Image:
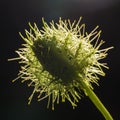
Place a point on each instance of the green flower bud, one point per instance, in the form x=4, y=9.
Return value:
x=58, y=59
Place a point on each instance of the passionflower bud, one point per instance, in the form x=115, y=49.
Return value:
x=61, y=60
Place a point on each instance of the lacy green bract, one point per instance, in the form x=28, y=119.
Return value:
x=57, y=58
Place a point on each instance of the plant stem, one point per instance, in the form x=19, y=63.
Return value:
x=89, y=92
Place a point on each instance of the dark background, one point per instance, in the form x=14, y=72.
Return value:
x=14, y=17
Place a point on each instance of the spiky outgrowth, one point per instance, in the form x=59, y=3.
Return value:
x=58, y=58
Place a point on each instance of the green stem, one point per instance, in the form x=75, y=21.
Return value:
x=96, y=102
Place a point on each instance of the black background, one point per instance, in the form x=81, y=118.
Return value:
x=14, y=17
